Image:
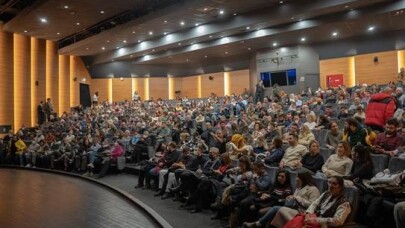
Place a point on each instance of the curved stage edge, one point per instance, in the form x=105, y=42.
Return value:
x=126, y=210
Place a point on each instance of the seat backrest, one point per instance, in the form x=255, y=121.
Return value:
x=316, y=134
x=151, y=151
x=322, y=136
x=380, y=162
x=325, y=152
x=396, y=164
x=352, y=195
x=293, y=176
x=121, y=163
x=321, y=183
x=272, y=172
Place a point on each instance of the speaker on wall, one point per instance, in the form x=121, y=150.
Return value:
x=37, y=83
x=376, y=59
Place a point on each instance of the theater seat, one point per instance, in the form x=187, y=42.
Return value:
x=352, y=195
x=325, y=152
x=321, y=183
x=396, y=164
x=380, y=162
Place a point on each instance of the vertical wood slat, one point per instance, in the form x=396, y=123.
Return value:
x=38, y=75
x=381, y=72
x=121, y=89
x=52, y=82
x=158, y=88
x=22, y=81
x=6, y=78
x=64, y=84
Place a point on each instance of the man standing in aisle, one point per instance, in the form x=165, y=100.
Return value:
x=48, y=109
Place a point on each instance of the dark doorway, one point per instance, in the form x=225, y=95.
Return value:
x=85, y=99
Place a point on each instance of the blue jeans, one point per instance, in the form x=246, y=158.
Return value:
x=269, y=216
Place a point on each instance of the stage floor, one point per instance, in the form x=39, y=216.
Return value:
x=39, y=199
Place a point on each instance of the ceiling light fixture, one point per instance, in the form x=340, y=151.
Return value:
x=211, y=36
x=303, y=39
x=221, y=12
x=102, y=11
x=139, y=41
x=58, y=33
x=133, y=32
x=275, y=44
x=205, y=9
x=150, y=33
x=226, y=53
x=247, y=28
x=66, y=7
x=234, y=14
x=249, y=49
x=165, y=33
x=205, y=56
x=103, y=48
x=43, y=20
x=179, y=44
x=164, y=21
x=124, y=41
x=281, y=2
x=196, y=24
x=87, y=48
x=182, y=23
x=371, y=28
x=334, y=34
x=78, y=23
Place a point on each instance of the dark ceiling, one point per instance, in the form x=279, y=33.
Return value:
x=150, y=33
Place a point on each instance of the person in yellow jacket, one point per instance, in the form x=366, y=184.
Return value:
x=21, y=148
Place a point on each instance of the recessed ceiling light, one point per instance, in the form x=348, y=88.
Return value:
x=281, y=2
x=275, y=44
x=133, y=32
x=58, y=33
x=179, y=44
x=346, y=6
x=221, y=12
x=196, y=24
x=371, y=28
x=153, y=50
x=292, y=18
x=139, y=41
x=164, y=21
x=43, y=20
x=334, y=34
x=108, y=41
x=131, y=56
x=226, y=53
x=205, y=9
x=249, y=49
x=66, y=7
x=87, y=48
x=211, y=36
x=102, y=11
x=117, y=48
x=182, y=23
x=78, y=23
x=205, y=56
x=303, y=39
x=25, y=31
x=103, y=48
x=165, y=33
x=247, y=28
x=187, y=60
x=151, y=33
x=112, y=60
x=124, y=41
x=300, y=19
x=234, y=14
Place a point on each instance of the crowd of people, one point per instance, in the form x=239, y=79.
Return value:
x=217, y=152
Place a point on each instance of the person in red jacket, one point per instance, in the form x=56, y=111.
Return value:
x=380, y=109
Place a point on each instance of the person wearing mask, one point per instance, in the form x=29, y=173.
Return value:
x=389, y=141
x=293, y=154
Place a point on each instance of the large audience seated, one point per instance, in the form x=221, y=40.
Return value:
x=256, y=160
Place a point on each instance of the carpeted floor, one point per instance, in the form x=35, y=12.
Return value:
x=169, y=210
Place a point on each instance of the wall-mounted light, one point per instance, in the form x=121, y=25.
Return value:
x=84, y=79
x=36, y=82
x=121, y=78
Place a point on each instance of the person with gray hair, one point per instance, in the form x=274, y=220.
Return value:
x=399, y=93
x=399, y=214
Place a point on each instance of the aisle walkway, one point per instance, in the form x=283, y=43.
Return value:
x=169, y=210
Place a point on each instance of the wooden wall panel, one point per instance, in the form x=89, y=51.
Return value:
x=140, y=85
x=216, y=85
x=121, y=89
x=158, y=88
x=401, y=59
x=238, y=81
x=382, y=72
x=190, y=87
x=64, y=84
x=38, y=76
x=78, y=74
x=102, y=86
x=6, y=78
x=52, y=82
x=336, y=66
x=22, y=81
x=177, y=86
